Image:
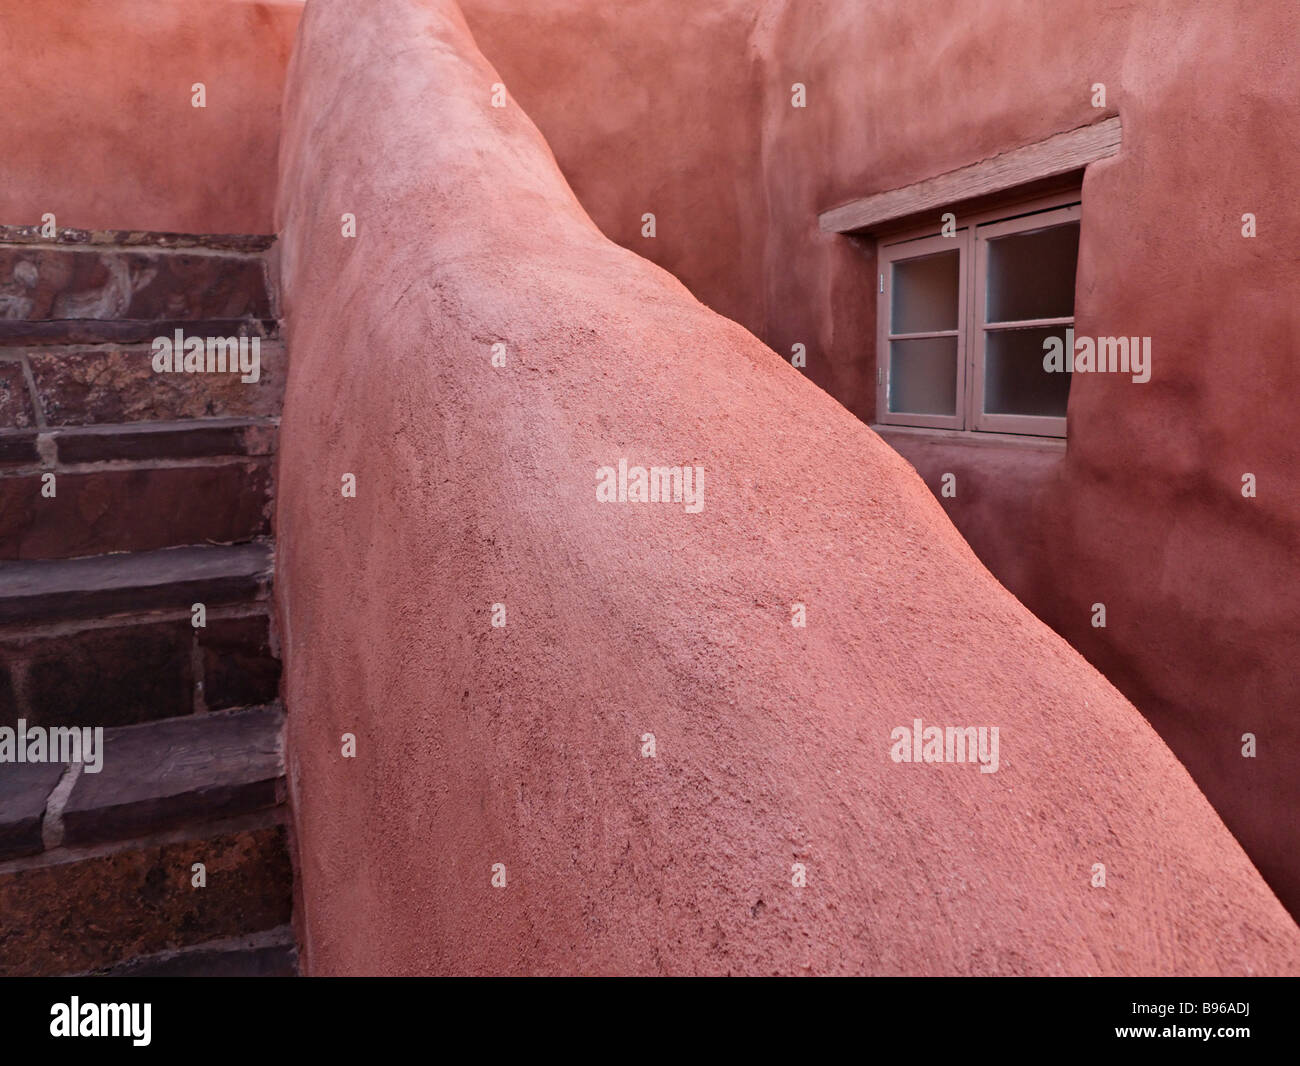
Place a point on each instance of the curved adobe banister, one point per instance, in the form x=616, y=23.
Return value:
x=523, y=745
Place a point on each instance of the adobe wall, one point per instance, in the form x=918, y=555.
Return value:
x=1144, y=511
x=97, y=122
x=523, y=745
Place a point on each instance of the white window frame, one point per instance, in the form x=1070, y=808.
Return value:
x=916, y=248
x=970, y=239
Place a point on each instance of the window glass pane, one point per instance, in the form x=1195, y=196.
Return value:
x=1015, y=382
x=925, y=293
x=923, y=376
x=1031, y=274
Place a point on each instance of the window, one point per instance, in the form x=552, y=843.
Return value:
x=963, y=320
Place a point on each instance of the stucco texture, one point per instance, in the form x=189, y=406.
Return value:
x=684, y=109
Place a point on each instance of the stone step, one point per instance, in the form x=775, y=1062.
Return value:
x=70, y=911
x=110, y=879
x=269, y=954
x=138, y=508
x=201, y=438
x=41, y=591
x=110, y=640
x=69, y=282
x=165, y=775
x=141, y=780
x=134, y=487
x=137, y=668
x=83, y=385
x=42, y=332
x=131, y=238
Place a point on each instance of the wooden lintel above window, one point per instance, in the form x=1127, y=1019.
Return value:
x=1062, y=153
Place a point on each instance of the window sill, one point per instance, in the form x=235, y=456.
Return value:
x=970, y=437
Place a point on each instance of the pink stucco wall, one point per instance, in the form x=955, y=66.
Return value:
x=684, y=109
x=97, y=123
x=522, y=745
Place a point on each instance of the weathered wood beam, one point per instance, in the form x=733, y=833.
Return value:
x=1057, y=155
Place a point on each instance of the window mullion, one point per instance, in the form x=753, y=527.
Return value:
x=971, y=352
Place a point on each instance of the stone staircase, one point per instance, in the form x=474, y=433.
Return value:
x=127, y=497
